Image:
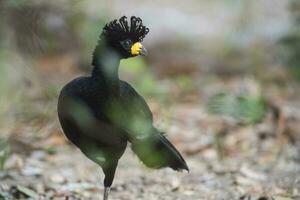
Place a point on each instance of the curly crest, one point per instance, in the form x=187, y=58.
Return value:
x=118, y=30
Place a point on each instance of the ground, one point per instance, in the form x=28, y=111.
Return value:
x=250, y=163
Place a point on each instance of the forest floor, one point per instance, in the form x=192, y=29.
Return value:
x=230, y=162
x=229, y=159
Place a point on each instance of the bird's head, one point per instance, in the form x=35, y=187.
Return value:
x=125, y=37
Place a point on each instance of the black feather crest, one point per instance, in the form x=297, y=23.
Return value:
x=118, y=30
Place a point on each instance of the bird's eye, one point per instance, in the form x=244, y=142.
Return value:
x=126, y=44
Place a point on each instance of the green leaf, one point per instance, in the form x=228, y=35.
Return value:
x=252, y=109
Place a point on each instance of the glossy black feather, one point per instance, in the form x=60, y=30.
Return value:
x=100, y=113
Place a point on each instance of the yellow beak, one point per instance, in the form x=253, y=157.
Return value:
x=138, y=49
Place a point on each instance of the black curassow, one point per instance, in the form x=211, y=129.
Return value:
x=101, y=113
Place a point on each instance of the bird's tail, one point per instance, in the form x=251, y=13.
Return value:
x=158, y=152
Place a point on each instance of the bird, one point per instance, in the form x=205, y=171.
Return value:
x=101, y=114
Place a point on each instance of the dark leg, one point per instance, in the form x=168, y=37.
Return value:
x=109, y=172
x=106, y=192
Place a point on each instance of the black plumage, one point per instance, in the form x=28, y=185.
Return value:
x=100, y=113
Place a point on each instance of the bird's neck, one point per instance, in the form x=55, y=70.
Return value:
x=106, y=66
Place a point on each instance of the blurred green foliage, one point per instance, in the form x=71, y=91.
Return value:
x=13, y=3
x=89, y=30
x=4, y=152
x=186, y=83
x=144, y=79
x=291, y=52
x=9, y=86
x=245, y=108
x=290, y=44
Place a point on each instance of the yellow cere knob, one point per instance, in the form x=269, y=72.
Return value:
x=136, y=47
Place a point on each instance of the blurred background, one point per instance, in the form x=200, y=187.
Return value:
x=222, y=79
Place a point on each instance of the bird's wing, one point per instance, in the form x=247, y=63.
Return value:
x=135, y=101
x=149, y=144
x=131, y=113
